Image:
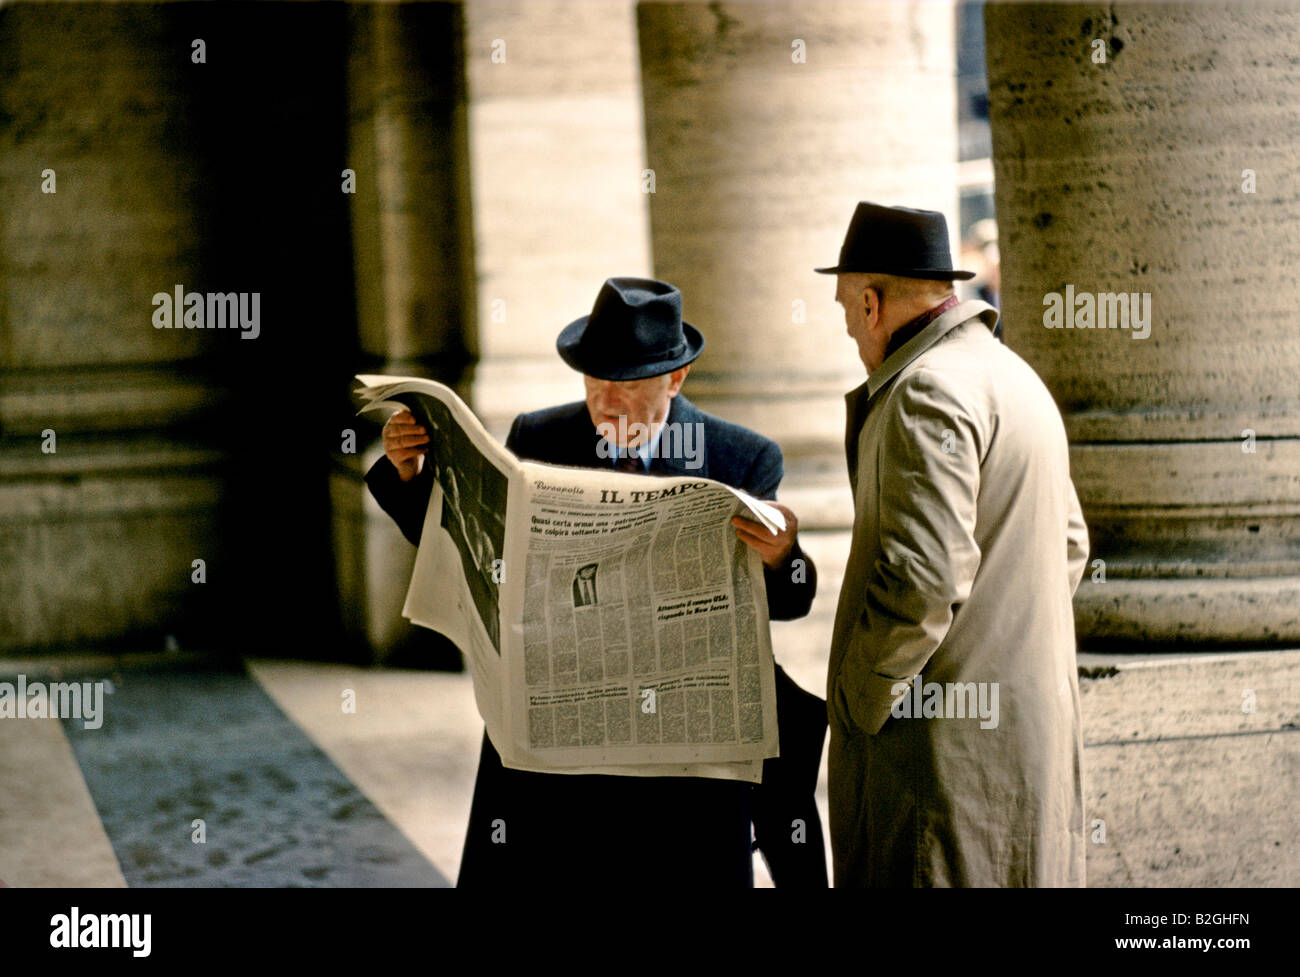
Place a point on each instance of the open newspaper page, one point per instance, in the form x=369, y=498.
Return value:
x=457, y=582
x=644, y=623
x=611, y=623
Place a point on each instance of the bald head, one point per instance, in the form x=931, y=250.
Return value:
x=902, y=294
x=876, y=306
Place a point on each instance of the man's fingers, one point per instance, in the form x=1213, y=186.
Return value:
x=402, y=424
x=404, y=440
x=763, y=539
x=763, y=544
x=399, y=455
x=753, y=528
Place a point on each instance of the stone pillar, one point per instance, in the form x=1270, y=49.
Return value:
x=1152, y=149
x=411, y=218
x=214, y=167
x=413, y=254
x=766, y=123
x=103, y=503
x=557, y=153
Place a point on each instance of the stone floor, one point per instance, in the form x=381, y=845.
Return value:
x=1184, y=786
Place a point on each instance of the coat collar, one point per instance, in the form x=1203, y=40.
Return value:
x=858, y=401
x=926, y=338
x=681, y=412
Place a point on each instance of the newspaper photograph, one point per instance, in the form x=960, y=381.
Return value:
x=612, y=623
x=472, y=514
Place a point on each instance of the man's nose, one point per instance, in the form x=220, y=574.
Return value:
x=607, y=395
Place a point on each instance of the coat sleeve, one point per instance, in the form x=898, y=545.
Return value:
x=514, y=440
x=787, y=826
x=1076, y=541
x=791, y=586
x=931, y=451
x=406, y=502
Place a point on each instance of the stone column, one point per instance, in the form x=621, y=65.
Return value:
x=144, y=147
x=413, y=253
x=411, y=219
x=557, y=153
x=1152, y=149
x=766, y=123
x=103, y=502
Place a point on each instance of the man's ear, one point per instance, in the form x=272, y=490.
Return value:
x=677, y=378
x=871, y=311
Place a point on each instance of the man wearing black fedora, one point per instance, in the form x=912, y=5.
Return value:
x=634, y=351
x=952, y=685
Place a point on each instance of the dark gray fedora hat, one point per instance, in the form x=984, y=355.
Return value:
x=897, y=241
x=635, y=330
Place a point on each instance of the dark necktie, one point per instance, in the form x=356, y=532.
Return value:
x=631, y=463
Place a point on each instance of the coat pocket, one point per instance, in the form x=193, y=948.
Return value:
x=863, y=698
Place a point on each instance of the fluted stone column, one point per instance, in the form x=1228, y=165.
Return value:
x=1131, y=175
x=766, y=123
x=557, y=153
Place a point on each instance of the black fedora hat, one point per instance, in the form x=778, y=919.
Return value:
x=897, y=241
x=635, y=330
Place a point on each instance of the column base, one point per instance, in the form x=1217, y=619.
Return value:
x=1256, y=612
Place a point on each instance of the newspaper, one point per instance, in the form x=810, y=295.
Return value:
x=612, y=623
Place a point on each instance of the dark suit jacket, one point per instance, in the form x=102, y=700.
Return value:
x=638, y=831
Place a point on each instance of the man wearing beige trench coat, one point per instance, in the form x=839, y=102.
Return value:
x=952, y=687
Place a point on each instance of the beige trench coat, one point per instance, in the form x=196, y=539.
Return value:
x=968, y=544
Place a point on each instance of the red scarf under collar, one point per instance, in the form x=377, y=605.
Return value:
x=920, y=322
